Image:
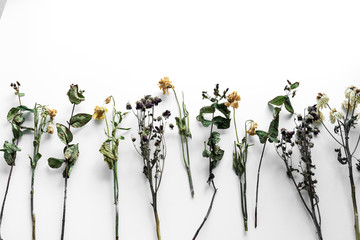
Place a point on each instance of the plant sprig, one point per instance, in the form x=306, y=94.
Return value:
x=110, y=148
x=306, y=188
x=212, y=151
x=345, y=123
x=16, y=118
x=71, y=151
x=182, y=122
x=43, y=118
x=273, y=131
x=152, y=149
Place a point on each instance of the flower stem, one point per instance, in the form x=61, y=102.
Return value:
x=64, y=205
x=32, y=203
x=66, y=181
x=116, y=200
x=257, y=183
x=208, y=211
x=4, y=200
x=184, y=140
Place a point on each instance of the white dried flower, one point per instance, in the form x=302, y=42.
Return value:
x=335, y=115
x=348, y=91
x=322, y=100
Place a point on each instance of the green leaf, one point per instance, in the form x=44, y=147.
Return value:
x=16, y=130
x=276, y=112
x=9, y=158
x=294, y=85
x=11, y=114
x=263, y=136
x=25, y=108
x=214, y=139
x=70, y=166
x=203, y=121
x=221, y=122
x=274, y=128
x=72, y=153
x=19, y=119
x=223, y=109
x=64, y=133
x=10, y=147
x=206, y=153
x=55, y=162
x=181, y=124
x=20, y=94
x=288, y=105
x=75, y=96
x=207, y=109
x=79, y=120
x=37, y=157
x=278, y=101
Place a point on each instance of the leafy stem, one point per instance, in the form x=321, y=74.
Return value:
x=16, y=119
x=182, y=123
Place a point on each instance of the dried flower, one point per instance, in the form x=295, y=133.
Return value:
x=128, y=106
x=322, y=100
x=99, y=113
x=166, y=114
x=165, y=84
x=335, y=115
x=50, y=129
x=107, y=100
x=321, y=117
x=251, y=130
x=52, y=112
x=233, y=100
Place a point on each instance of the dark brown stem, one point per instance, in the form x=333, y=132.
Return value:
x=208, y=211
x=64, y=206
x=4, y=200
x=66, y=181
x=257, y=184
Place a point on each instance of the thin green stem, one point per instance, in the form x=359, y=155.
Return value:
x=116, y=200
x=184, y=140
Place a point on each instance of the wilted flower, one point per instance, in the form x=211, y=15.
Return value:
x=99, y=113
x=165, y=84
x=166, y=114
x=251, y=130
x=50, y=129
x=233, y=100
x=128, y=106
x=322, y=100
x=107, y=100
x=335, y=115
x=52, y=112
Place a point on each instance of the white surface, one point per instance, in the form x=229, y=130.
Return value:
x=124, y=48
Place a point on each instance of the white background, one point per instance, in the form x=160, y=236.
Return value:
x=123, y=48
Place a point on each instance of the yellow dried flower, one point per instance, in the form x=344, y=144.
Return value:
x=235, y=104
x=233, y=100
x=52, y=112
x=99, y=113
x=165, y=84
x=251, y=130
x=107, y=100
x=50, y=129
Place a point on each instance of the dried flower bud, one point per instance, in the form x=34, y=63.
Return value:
x=50, y=129
x=107, y=100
